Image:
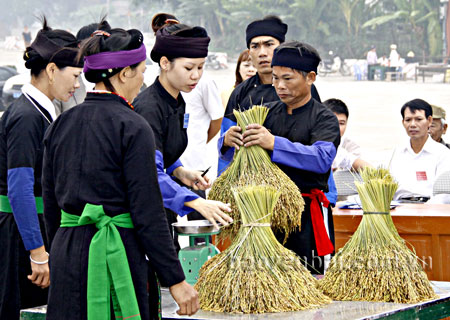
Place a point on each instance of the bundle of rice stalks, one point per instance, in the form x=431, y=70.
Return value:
x=256, y=274
x=375, y=264
x=253, y=166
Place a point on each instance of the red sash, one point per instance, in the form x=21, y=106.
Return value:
x=323, y=242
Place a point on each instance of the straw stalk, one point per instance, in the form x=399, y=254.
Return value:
x=256, y=274
x=253, y=166
x=375, y=264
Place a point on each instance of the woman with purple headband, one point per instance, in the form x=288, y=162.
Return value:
x=103, y=208
x=180, y=51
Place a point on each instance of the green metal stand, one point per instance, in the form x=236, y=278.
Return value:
x=37, y=313
x=193, y=257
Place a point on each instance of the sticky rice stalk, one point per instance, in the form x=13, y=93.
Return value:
x=375, y=264
x=253, y=166
x=256, y=274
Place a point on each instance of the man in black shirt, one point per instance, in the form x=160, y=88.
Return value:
x=262, y=37
x=301, y=136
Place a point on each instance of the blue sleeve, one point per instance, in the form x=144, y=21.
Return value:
x=226, y=124
x=316, y=158
x=23, y=204
x=172, y=168
x=226, y=157
x=174, y=195
x=332, y=191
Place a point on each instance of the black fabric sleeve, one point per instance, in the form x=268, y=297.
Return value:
x=52, y=211
x=23, y=141
x=146, y=206
x=233, y=103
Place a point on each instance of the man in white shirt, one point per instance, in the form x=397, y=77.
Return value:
x=348, y=154
x=372, y=61
x=394, y=57
x=439, y=126
x=204, y=106
x=420, y=160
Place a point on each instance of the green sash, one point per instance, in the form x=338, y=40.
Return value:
x=5, y=206
x=109, y=274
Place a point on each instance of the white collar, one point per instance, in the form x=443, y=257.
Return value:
x=427, y=147
x=41, y=98
x=98, y=91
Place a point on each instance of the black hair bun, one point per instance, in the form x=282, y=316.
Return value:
x=104, y=25
x=199, y=32
x=186, y=31
x=136, y=39
x=33, y=59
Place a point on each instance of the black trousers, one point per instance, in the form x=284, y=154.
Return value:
x=303, y=242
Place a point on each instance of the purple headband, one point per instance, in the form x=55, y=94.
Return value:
x=114, y=59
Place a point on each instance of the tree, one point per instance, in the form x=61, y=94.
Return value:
x=419, y=16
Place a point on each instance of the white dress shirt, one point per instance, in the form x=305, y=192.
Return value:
x=372, y=57
x=417, y=172
x=203, y=104
x=347, y=152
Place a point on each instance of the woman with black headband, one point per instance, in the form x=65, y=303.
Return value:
x=103, y=207
x=54, y=75
x=180, y=51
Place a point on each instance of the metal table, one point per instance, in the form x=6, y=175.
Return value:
x=337, y=310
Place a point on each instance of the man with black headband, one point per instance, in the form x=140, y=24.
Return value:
x=262, y=37
x=302, y=136
x=419, y=160
x=54, y=75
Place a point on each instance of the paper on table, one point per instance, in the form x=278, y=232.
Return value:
x=353, y=202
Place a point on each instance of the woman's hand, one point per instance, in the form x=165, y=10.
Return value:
x=186, y=297
x=233, y=137
x=40, y=273
x=256, y=134
x=211, y=210
x=192, y=178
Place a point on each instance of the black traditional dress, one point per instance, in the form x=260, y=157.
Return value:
x=166, y=116
x=22, y=128
x=244, y=96
x=101, y=152
x=305, y=146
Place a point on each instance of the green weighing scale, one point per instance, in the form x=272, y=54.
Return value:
x=193, y=257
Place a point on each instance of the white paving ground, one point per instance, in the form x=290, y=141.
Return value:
x=375, y=120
